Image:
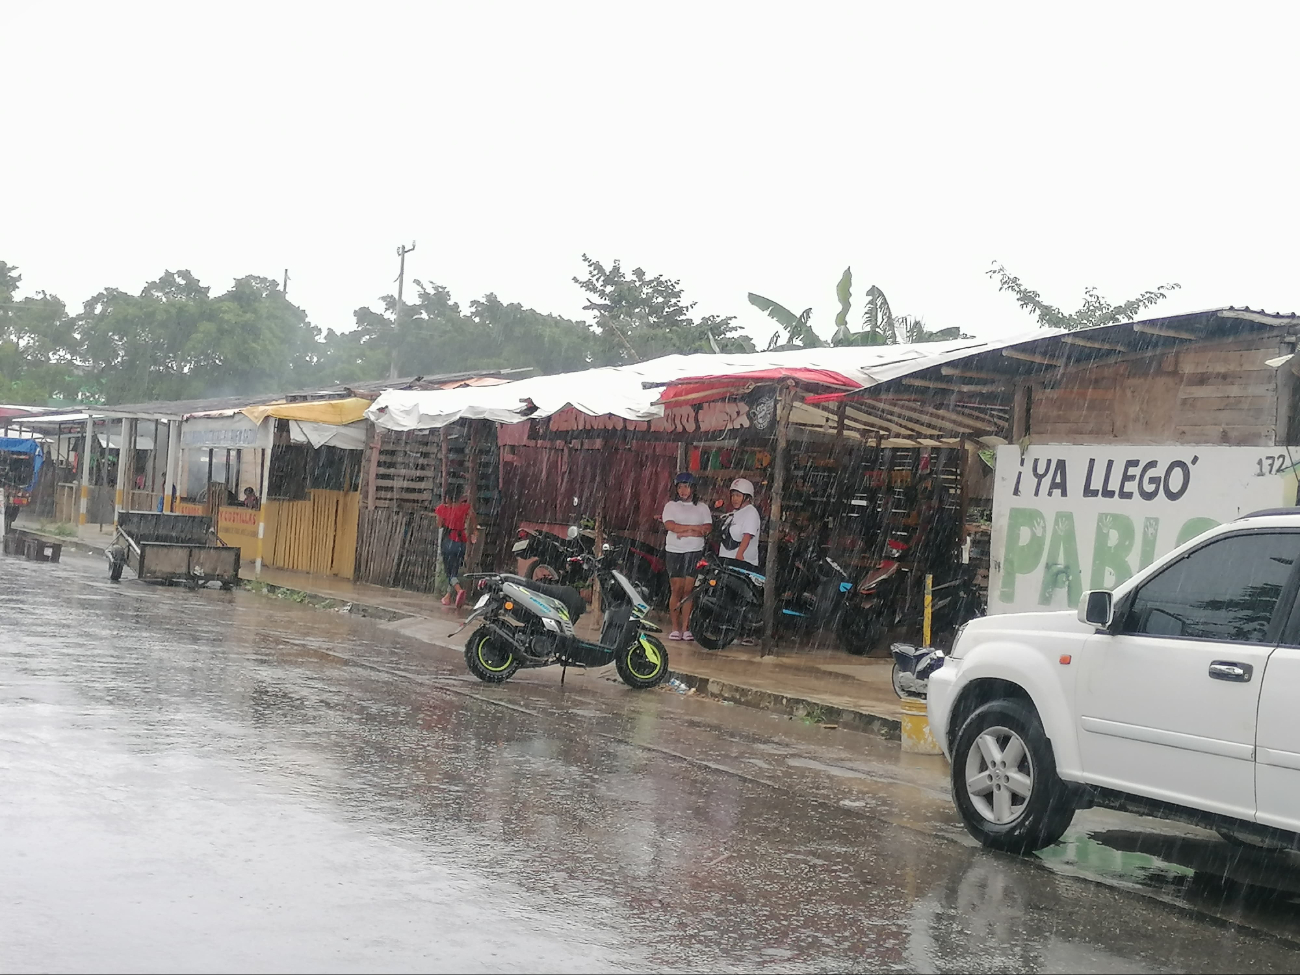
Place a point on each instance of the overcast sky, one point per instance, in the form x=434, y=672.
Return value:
x=737, y=147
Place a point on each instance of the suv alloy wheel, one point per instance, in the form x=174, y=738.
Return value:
x=1004, y=779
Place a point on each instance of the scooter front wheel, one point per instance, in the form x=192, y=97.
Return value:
x=643, y=663
x=490, y=658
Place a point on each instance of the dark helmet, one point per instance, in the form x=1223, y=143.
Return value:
x=685, y=477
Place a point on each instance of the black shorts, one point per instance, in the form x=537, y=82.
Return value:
x=681, y=565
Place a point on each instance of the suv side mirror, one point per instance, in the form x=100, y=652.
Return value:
x=1097, y=608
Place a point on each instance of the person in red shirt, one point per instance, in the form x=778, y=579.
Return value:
x=458, y=527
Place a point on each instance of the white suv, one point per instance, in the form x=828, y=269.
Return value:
x=1176, y=696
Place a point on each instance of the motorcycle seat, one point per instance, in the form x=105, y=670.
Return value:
x=570, y=597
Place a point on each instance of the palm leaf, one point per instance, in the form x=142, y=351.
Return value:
x=877, y=316
x=776, y=311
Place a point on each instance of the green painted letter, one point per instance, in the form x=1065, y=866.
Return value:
x=1026, y=537
x=1112, y=552
x=1062, y=567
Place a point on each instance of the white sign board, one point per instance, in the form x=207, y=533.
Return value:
x=1069, y=518
x=231, y=432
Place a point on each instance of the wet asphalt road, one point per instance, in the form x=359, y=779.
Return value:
x=216, y=781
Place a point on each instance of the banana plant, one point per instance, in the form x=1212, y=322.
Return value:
x=912, y=330
x=799, y=333
x=843, y=291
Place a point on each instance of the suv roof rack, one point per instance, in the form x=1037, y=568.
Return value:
x=1270, y=512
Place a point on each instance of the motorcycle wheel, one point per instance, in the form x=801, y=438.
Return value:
x=642, y=664
x=898, y=687
x=859, y=634
x=541, y=572
x=489, y=658
x=713, y=630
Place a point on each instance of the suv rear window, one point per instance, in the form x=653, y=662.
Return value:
x=1226, y=590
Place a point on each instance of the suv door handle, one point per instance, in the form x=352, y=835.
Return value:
x=1231, y=670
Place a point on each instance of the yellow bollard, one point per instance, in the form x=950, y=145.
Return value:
x=916, y=736
x=929, y=610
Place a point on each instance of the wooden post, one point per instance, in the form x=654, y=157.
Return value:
x=785, y=404
x=86, y=450
x=473, y=550
x=376, y=435
x=598, y=546
x=151, y=478
x=1021, y=406
x=261, y=505
x=121, y=470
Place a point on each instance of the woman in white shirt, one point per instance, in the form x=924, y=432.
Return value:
x=741, y=542
x=688, y=521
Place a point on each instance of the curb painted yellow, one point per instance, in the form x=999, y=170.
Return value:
x=915, y=730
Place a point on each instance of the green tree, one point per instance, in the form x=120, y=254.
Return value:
x=174, y=341
x=639, y=316
x=1095, y=309
x=36, y=365
x=435, y=337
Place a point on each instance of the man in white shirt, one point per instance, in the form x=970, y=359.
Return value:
x=688, y=521
x=741, y=542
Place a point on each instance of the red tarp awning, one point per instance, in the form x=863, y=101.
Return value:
x=697, y=388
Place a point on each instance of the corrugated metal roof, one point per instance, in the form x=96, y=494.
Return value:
x=177, y=409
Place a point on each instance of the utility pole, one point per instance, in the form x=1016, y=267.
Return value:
x=284, y=289
x=402, y=251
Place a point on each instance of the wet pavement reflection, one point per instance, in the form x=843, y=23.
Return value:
x=207, y=780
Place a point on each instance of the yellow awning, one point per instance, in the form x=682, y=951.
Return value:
x=333, y=411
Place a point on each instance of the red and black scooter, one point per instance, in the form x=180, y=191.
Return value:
x=892, y=594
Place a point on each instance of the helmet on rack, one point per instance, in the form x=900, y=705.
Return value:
x=743, y=485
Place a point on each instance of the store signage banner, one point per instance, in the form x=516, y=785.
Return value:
x=232, y=432
x=751, y=416
x=1067, y=518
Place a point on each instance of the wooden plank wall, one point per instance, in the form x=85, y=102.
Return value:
x=1220, y=394
x=409, y=471
x=398, y=548
x=318, y=535
x=398, y=535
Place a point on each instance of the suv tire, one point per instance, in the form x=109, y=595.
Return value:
x=1004, y=779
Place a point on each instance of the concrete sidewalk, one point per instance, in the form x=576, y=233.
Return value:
x=824, y=686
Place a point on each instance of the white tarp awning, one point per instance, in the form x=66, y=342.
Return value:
x=347, y=436
x=619, y=390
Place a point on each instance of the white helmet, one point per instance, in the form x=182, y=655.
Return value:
x=743, y=486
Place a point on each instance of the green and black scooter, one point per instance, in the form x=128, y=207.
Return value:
x=523, y=623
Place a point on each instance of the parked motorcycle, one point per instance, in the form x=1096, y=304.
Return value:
x=889, y=597
x=556, y=560
x=562, y=561
x=728, y=595
x=912, y=669
x=726, y=602
x=526, y=623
